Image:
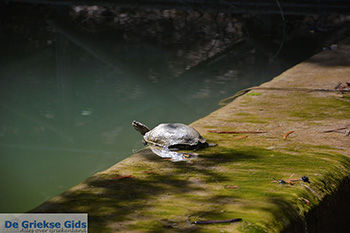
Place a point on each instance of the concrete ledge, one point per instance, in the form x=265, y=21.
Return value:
x=144, y=193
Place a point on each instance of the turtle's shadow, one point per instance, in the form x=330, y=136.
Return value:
x=226, y=155
x=204, y=164
x=111, y=200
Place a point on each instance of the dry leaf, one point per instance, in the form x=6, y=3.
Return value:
x=287, y=134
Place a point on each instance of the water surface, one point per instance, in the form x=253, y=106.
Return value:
x=67, y=102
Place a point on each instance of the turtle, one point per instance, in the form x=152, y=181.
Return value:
x=166, y=138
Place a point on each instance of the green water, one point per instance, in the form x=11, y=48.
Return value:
x=66, y=118
x=67, y=106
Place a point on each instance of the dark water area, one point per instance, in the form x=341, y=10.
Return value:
x=73, y=78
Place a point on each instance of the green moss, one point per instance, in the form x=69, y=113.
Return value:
x=244, y=114
x=253, y=94
x=248, y=119
x=251, y=228
x=345, y=97
x=323, y=147
x=266, y=166
x=316, y=108
x=181, y=191
x=149, y=226
x=209, y=127
x=303, y=105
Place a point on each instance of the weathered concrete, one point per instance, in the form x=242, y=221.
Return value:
x=235, y=179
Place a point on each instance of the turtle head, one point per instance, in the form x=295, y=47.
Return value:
x=138, y=126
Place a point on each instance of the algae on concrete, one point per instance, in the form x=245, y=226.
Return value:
x=145, y=193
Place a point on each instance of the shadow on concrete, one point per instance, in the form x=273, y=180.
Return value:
x=109, y=199
x=121, y=204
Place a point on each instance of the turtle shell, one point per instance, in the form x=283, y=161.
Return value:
x=174, y=135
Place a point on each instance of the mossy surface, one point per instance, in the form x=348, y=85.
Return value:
x=163, y=196
x=236, y=179
x=316, y=108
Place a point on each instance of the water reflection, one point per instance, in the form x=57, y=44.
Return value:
x=70, y=86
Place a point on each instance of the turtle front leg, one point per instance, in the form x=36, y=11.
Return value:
x=190, y=155
x=164, y=152
x=144, y=142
